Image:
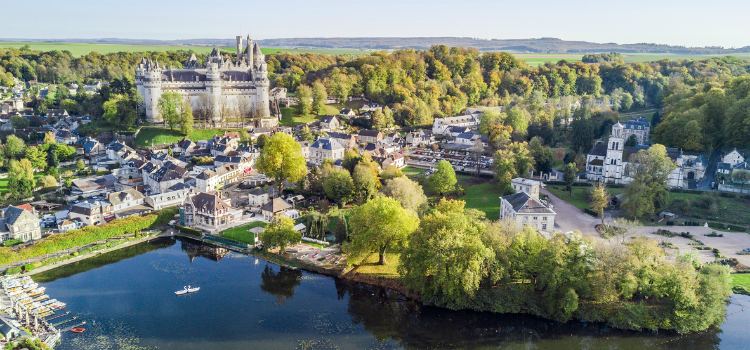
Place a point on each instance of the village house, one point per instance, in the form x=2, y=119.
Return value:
x=418, y=138
x=274, y=208
x=65, y=136
x=59, y=114
x=733, y=158
x=170, y=197
x=210, y=180
x=639, y=128
x=244, y=163
x=525, y=208
x=329, y=123
x=441, y=125
x=92, y=147
x=208, y=211
x=120, y=152
x=366, y=136
x=370, y=107
x=165, y=177
x=304, y=148
x=347, y=113
x=258, y=197
x=19, y=223
x=325, y=148
x=128, y=202
x=93, y=212
x=348, y=141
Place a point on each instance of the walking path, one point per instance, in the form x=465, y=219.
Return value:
x=570, y=218
x=95, y=253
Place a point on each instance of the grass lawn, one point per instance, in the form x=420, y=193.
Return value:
x=580, y=195
x=240, y=233
x=484, y=197
x=371, y=267
x=729, y=210
x=289, y=116
x=741, y=280
x=412, y=172
x=4, y=182
x=160, y=135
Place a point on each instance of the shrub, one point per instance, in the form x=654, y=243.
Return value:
x=29, y=267
x=188, y=230
x=12, y=242
x=591, y=212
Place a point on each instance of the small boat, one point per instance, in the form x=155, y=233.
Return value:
x=186, y=290
x=78, y=330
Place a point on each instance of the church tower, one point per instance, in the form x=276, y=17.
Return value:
x=613, y=163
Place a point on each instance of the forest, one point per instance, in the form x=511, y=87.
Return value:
x=420, y=85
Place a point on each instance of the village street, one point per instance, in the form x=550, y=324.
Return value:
x=570, y=218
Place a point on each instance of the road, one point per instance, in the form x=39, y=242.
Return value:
x=570, y=218
x=710, y=174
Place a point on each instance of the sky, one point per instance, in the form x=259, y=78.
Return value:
x=674, y=22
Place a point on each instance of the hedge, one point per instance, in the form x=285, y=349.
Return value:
x=188, y=230
x=591, y=212
x=88, y=235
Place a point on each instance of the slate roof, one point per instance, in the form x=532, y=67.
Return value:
x=370, y=133
x=12, y=214
x=599, y=149
x=276, y=205
x=523, y=203
x=208, y=201
x=328, y=119
x=327, y=143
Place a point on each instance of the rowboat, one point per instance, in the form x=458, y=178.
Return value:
x=186, y=290
x=78, y=330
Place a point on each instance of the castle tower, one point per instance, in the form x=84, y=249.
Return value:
x=213, y=89
x=151, y=90
x=249, y=52
x=239, y=49
x=262, y=84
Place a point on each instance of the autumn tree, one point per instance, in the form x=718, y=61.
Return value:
x=282, y=160
x=304, y=104
x=339, y=186
x=37, y=157
x=600, y=199
x=378, y=226
x=648, y=192
x=319, y=98
x=170, y=106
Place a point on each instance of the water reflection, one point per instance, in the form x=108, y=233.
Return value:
x=281, y=283
x=388, y=315
x=243, y=307
x=195, y=249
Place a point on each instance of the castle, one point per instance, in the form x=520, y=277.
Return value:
x=222, y=88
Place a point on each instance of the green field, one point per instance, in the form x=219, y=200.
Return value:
x=535, y=59
x=240, y=233
x=484, y=197
x=160, y=136
x=82, y=49
x=289, y=115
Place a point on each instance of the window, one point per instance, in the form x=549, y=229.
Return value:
x=544, y=226
x=544, y=218
x=536, y=218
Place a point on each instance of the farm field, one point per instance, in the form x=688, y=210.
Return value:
x=160, y=135
x=82, y=49
x=535, y=59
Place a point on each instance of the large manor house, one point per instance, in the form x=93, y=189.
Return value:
x=223, y=84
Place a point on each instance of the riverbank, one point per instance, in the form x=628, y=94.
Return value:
x=94, y=253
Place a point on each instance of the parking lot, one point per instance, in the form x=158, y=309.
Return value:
x=461, y=161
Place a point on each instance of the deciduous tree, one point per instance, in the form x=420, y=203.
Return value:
x=647, y=194
x=379, y=225
x=600, y=199
x=280, y=233
x=407, y=192
x=443, y=180
x=282, y=160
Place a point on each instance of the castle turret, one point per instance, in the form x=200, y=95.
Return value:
x=249, y=52
x=148, y=83
x=213, y=88
x=239, y=49
x=262, y=84
x=258, y=56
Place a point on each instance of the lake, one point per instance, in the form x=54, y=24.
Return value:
x=127, y=297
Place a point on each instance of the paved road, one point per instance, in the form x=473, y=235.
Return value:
x=570, y=218
x=710, y=174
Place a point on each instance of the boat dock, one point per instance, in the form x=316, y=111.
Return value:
x=29, y=308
